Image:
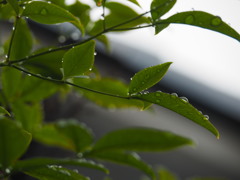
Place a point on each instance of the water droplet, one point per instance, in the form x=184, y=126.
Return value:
x=43, y=12
x=174, y=94
x=206, y=117
x=24, y=7
x=95, y=53
x=158, y=94
x=7, y=171
x=62, y=39
x=29, y=75
x=189, y=19
x=75, y=170
x=184, y=99
x=75, y=36
x=216, y=21
x=65, y=172
x=6, y=56
x=131, y=79
x=143, y=82
x=157, y=101
x=135, y=155
x=13, y=28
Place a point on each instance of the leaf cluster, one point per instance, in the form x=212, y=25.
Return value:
x=30, y=75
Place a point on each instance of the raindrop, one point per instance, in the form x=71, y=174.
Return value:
x=206, y=117
x=43, y=11
x=216, y=21
x=29, y=75
x=189, y=19
x=174, y=94
x=95, y=53
x=7, y=170
x=131, y=79
x=184, y=99
x=157, y=94
x=65, y=172
x=135, y=155
x=6, y=56
x=157, y=101
x=62, y=39
x=75, y=36
x=13, y=28
x=24, y=7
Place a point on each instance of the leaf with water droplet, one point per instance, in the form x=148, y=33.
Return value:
x=154, y=73
x=79, y=60
x=126, y=158
x=160, y=7
x=14, y=141
x=35, y=163
x=179, y=106
x=47, y=13
x=203, y=20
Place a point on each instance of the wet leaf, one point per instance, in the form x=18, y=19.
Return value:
x=79, y=60
x=14, y=4
x=180, y=106
x=147, y=77
x=203, y=20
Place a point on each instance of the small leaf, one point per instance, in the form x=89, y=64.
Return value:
x=79, y=135
x=160, y=7
x=13, y=142
x=47, y=13
x=29, y=116
x=160, y=27
x=164, y=174
x=35, y=163
x=139, y=139
x=203, y=20
x=22, y=41
x=180, y=106
x=3, y=111
x=14, y=4
x=79, y=60
x=113, y=87
x=54, y=172
x=125, y=158
x=147, y=77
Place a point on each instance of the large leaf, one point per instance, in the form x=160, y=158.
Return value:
x=109, y=86
x=203, y=20
x=47, y=13
x=79, y=59
x=53, y=172
x=47, y=65
x=147, y=77
x=13, y=142
x=35, y=163
x=14, y=4
x=125, y=158
x=160, y=7
x=29, y=116
x=22, y=41
x=180, y=106
x=139, y=139
x=79, y=135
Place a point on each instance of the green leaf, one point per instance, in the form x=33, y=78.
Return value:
x=14, y=4
x=28, y=115
x=49, y=135
x=160, y=27
x=203, y=20
x=7, y=12
x=47, y=13
x=180, y=106
x=164, y=174
x=11, y=82
x=147, y=77
x=35, y=163
x=47, y=65
x=13, y=142
x=78, y=60
x=139, y=139
x=79, y=135
x=125, y=158
x=134, y=2
x=54, y=173
x=160, y=7
x=109, y=86
x=22, y=41
x=3, y=111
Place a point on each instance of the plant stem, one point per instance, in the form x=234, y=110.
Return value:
x=66, y=82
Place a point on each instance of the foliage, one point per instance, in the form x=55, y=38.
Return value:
x=30, y=76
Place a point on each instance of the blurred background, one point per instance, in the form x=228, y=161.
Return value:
x=205, y=69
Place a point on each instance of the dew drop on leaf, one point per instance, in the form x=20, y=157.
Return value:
x=216, y=21
x=43, y=12
x=184, y=99
x=157, y=94
x=206, y=117
x=189, y=19
x=157, y=101
x=174, y=94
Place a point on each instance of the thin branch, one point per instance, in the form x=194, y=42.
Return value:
x=66, y=82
